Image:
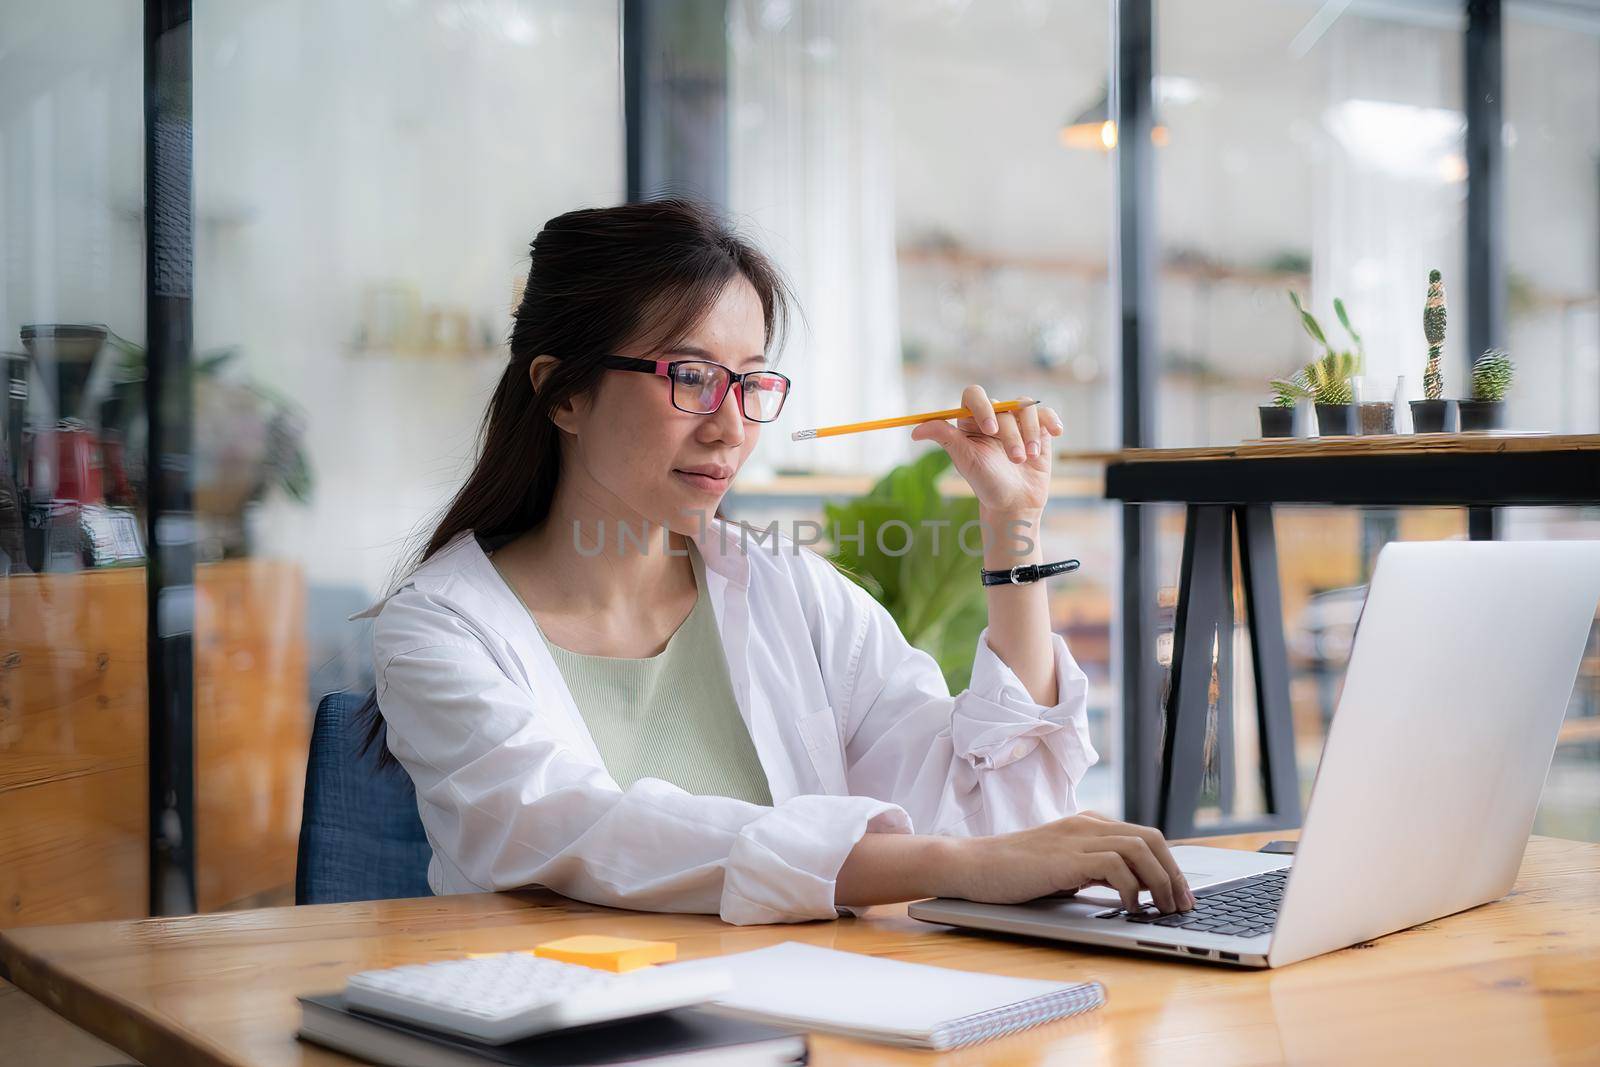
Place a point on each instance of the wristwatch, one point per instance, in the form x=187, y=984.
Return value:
x=1024, y=573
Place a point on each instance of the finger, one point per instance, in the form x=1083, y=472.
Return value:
x=1011, y=437
x=1111, y=868
x=1028, y=426
x=1159, y=848
x=1096, y=824
x=1150, y=873
x=975, y=400
x=937, y=430
x=1051, y=421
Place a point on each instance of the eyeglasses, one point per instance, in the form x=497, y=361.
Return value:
x=700, y=386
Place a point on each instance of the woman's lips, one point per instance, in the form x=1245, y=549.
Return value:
x=703, y=482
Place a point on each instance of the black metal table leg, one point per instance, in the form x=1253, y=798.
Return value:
x=1258, y=555
x=1200, y=593
x=1227, y=770
x=1483, y=524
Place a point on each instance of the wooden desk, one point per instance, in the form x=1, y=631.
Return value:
x=1514, y=981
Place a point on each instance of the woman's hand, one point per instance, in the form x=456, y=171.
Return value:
x=1004, y=457
x=1068, y=854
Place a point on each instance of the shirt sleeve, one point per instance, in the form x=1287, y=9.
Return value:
x=510, y=799
x=987, y=760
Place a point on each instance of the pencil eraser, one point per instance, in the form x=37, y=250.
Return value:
x=608, y=953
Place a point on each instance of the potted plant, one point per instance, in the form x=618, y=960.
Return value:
x=1434, y=414
x=1328, y=377
x=1333, y=394
x=1491, y=378
x=925, y=579
x=248, y=440
x=1376, y=410
x=1281, y=418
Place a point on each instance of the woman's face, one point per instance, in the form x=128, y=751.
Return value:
x=654, y=462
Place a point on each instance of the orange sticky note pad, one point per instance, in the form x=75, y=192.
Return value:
x=608, y=953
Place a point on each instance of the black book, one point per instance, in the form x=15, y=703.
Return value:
x=683, y=1036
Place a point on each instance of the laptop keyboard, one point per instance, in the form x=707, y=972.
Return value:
x=1238, y=909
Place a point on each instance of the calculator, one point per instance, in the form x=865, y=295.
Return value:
x=511, y=995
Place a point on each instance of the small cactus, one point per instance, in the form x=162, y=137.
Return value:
x=1491, y=375
x=1329, y=377
x=1433, y=319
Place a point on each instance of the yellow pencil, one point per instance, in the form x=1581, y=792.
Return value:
x=904, y=420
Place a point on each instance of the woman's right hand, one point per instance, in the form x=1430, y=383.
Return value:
x=1080, y=850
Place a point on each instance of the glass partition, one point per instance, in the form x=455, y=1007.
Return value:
x=73, y=490
x=368, y=176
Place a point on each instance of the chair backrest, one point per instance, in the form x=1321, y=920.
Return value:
x=360, y=836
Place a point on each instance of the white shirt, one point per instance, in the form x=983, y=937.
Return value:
x=856, y=731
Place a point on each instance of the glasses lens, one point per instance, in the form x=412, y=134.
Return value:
x=699, y=387
x=764, y=395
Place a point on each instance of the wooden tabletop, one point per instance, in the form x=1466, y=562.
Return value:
x=1514, y=981
x=1397, y=470
x=1400, y=444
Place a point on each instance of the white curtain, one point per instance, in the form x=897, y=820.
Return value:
x=812, y=182
x=1389, y=200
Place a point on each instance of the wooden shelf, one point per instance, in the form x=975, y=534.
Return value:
x=1577, y=731
x=849, y=485
x=1049, y=378
x=1094, y=269
x=497, y=353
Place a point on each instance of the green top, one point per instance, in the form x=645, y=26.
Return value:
x=672, y=715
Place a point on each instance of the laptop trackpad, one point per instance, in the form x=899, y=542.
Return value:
x=1202, y=865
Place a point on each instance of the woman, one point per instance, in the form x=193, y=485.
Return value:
x=698, y=721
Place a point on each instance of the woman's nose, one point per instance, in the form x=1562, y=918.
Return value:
x=729, y=418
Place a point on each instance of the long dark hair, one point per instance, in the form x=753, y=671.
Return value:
x=640, y=276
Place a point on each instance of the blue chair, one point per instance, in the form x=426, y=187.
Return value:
x=360, y=837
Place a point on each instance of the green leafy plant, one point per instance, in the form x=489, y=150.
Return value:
x=1287, y=391
x=1344, y=320
x=1492, y=373
x=1309, y=322
x=1433, y=321
x=283, y=461
x=1327, y=378
x=931, y=589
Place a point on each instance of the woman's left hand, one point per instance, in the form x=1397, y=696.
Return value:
x=1004, y=457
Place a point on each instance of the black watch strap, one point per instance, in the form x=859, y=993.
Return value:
x=1024, y=573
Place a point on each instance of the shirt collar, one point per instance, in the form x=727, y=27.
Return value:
x=723, y=546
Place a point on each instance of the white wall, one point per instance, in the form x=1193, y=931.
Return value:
x=71, y=167
x=346, y=152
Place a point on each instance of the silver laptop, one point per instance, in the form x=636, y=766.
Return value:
x=1458, y=681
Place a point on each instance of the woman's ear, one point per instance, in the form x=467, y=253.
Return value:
x=539, y=371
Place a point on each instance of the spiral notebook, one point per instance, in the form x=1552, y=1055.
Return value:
x=810, y=988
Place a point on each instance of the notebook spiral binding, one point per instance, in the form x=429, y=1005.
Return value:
x=998, y=1022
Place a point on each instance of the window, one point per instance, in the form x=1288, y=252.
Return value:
x=367, y=178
